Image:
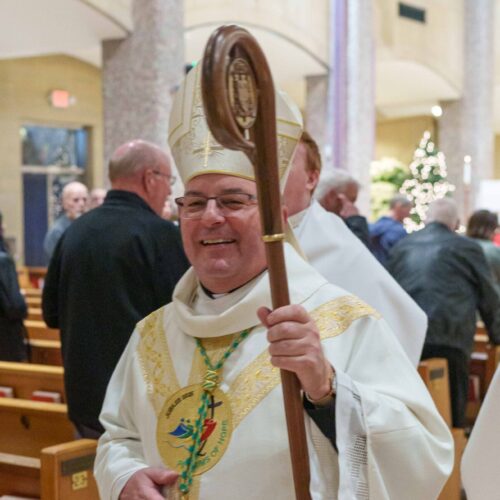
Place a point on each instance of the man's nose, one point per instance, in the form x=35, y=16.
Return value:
x=212, y=213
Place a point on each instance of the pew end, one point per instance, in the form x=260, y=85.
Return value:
x=67, y=471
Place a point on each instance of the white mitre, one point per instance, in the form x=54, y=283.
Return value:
x=195, y=150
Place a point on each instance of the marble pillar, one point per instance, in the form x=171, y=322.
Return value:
x=316, y=114
x=340, y=107
x=360, y=96
x=466, y=126
x=141, y=73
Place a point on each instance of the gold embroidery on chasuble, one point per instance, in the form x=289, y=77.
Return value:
x=259, y=378
x=154, y=356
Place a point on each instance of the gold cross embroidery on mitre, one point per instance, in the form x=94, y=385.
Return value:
x=207, y=148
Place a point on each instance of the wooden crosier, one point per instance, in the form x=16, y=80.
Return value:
x=238, y=97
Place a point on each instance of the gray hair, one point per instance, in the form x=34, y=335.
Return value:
x=399, y=199
x=135, y=156
x=336, y=179
x=445, y=211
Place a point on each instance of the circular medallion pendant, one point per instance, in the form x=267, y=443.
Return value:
x=176, y=424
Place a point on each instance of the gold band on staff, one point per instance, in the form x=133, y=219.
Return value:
x=273, y=238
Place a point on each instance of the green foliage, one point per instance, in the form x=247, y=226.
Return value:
x=387, y=177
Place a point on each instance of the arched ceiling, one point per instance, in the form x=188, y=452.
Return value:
x=71, y=27
x=405, y=85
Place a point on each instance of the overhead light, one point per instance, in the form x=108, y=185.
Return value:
x=436, y=111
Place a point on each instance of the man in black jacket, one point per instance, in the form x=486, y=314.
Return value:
x=449, y=278
x=113, y=266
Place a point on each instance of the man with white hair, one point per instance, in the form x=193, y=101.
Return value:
x=74, y=202
x=337, y=192
x=449, y=278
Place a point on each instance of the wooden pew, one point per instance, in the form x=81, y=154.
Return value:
x=434, y=373
x=35, y=302
x=35, y=313
x=25, y=378
x=484, y=361
x=28, y=426
x=32, y=292
x=67, y=471
x=64, y=472
x=45, y=352
x=19, y=476
x=40, y=331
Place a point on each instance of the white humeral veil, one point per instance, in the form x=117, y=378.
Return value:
x=391, y=441
x=333, y=250
x=481, y=458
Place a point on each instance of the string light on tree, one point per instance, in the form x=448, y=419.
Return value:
x=427, y=183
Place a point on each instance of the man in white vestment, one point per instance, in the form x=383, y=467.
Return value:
x=333, y=250
x=195, y=404
x=481, y=458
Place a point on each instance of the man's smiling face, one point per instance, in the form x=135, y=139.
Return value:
x=226, y=252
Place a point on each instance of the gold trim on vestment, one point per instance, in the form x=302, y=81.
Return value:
x=259, y=378
x=256, y=380
x=156, y=363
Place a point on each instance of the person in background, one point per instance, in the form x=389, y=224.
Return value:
x=113, y=266
x=97, y=196
x=12, y=308
x=389, y=229
x=75, y=197
x=333, y=250
x=337, y=192
x=449, y=278
x=481, y=228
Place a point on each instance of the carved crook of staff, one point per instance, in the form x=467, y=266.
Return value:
x=238, y=96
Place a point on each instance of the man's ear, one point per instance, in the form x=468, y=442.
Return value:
x=312, y=180
x=284, y=212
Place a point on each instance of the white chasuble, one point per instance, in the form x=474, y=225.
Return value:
x=481, y=458
x=333, y=250
x=391, y=441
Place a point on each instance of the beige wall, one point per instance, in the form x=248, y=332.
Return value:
x=24, y=87
x=399, y=138
x=496, y=166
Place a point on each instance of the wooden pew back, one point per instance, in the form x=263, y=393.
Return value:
x=28, y=426
x=26, y=378
x=19, y=476
x=434, y=373
x=64, y=472
x=67, y=471
x=38, y=330
x=45, y=352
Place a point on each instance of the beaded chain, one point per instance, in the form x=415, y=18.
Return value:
x=209, y=384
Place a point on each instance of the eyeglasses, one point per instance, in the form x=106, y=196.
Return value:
x=171, y=178
x=230, y=204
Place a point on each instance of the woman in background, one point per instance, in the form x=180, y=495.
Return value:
x=481, y=228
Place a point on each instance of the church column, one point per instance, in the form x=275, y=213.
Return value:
x=360, y=95
x=316, y=113
x=141, y=74
x=466, y=127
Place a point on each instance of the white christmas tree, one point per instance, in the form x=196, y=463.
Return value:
x=427, y=183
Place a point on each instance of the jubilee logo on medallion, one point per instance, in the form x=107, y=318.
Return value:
x=176, y=426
